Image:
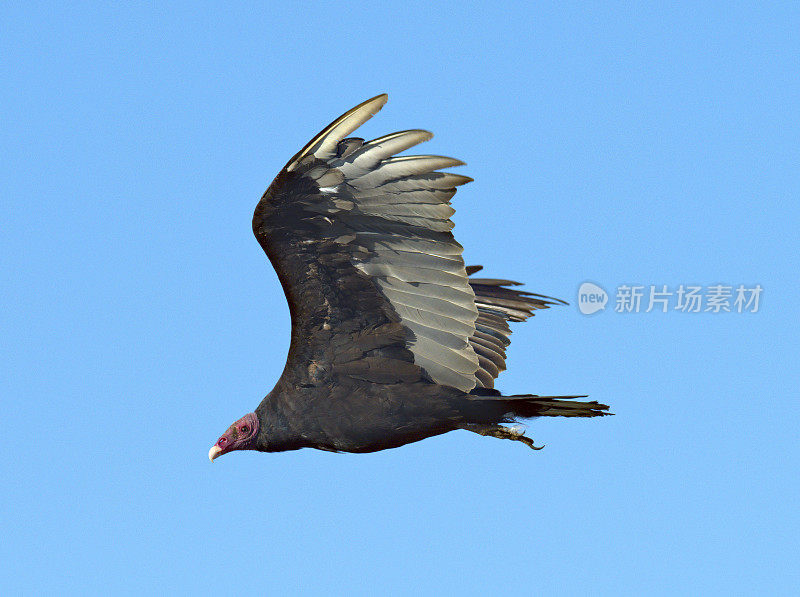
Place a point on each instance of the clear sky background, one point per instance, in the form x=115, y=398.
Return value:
x=623, y=145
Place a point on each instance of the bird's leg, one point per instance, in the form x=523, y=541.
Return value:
x=501, y=432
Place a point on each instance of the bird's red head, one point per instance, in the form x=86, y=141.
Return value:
x=239, y=436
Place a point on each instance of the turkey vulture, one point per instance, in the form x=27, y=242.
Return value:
x=392, y=339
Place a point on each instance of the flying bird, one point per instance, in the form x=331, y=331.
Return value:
x=393, y=339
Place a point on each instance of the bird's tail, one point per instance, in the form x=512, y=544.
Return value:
x=529, y=405
x=526, y=406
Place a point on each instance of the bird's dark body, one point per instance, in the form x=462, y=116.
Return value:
x=334, y=417
x=392, y=341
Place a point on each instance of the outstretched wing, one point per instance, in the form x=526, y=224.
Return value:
x=361, y=242
x=497, y=305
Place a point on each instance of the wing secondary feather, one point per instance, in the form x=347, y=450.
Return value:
x=498, y=305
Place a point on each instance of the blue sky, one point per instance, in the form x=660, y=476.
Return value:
x=623, y=145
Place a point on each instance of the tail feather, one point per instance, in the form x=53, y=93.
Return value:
x=531, y=405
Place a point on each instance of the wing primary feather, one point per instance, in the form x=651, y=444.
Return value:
x=322, y=146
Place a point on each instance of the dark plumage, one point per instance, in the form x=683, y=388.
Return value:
x=392, y=342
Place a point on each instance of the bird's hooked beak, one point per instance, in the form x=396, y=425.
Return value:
x=239, y=436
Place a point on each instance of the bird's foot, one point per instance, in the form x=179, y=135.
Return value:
x=513, y=433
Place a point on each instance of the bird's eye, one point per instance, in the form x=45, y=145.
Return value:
x=244, y=429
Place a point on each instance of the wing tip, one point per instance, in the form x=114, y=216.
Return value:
x=373, y=105
x=379, y=101
x=455, y=162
